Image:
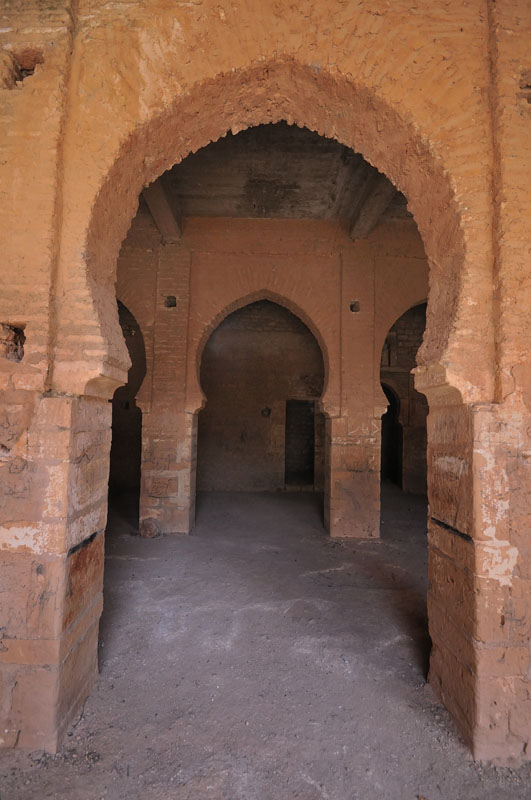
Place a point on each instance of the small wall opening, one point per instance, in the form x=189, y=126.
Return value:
x=126, y=446
x=12, y=340
x=262, y=372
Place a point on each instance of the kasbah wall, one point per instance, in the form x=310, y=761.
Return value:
x=97, y=100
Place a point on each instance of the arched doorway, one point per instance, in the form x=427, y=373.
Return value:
x=404, y=435
x=262, y=373
x=356, y=449
x=157, y=139
x=126, y=442
x=391, y=457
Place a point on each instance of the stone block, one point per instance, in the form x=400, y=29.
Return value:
x=457, y=549
x=452, y=587
x=450, y=636
x=89, y=479
x=54, y=413
x=86, y=522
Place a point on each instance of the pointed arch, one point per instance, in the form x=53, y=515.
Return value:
x=254, y=297
x=329, y=103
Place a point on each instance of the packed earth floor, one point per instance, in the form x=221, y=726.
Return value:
x=260, y=660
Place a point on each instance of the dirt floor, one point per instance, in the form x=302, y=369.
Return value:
x=259, y=660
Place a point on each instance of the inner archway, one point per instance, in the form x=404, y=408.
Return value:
x=262, y=372
x=404, y=436
x=126, y=443
x=391, y=458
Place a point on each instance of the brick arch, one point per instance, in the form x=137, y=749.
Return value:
x=399, y=303
x=392, y=386
x=330, y=104
x=241, y=302
x=392, y=316
x=129, y=317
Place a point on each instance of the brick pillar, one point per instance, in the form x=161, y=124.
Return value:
x=478, y=600
x=352, y=497
x=167, y=493
x=451, y=560
x=502, y=585
x=53, y=518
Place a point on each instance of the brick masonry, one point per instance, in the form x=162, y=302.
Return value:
x=98, y=101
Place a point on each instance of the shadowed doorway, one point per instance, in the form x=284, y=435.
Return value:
x=262, y=373
x=126, y=446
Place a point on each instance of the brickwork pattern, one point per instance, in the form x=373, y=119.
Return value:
x=437, y=100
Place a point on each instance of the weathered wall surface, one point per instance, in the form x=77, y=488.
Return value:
x=438, y=100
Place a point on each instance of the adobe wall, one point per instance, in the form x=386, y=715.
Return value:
x=437, y=100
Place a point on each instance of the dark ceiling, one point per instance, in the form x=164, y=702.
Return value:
x=275, y=171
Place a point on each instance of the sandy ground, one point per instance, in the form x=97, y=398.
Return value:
x=259, y=660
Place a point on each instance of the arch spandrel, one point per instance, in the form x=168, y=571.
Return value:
x=348, y=109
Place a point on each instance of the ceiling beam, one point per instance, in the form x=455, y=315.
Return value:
x=373, y=201
x=348, y=181
x=158, y=200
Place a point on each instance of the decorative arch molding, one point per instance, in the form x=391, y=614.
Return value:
x=281, y=89
x=196, y=398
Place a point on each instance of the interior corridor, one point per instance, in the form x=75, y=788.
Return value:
x=260, y=660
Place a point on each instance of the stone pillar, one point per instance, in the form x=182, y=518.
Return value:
x=54, y=515
x=353, y=476
x=167, y=493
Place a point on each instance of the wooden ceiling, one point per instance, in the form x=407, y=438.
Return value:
x=278, y=171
